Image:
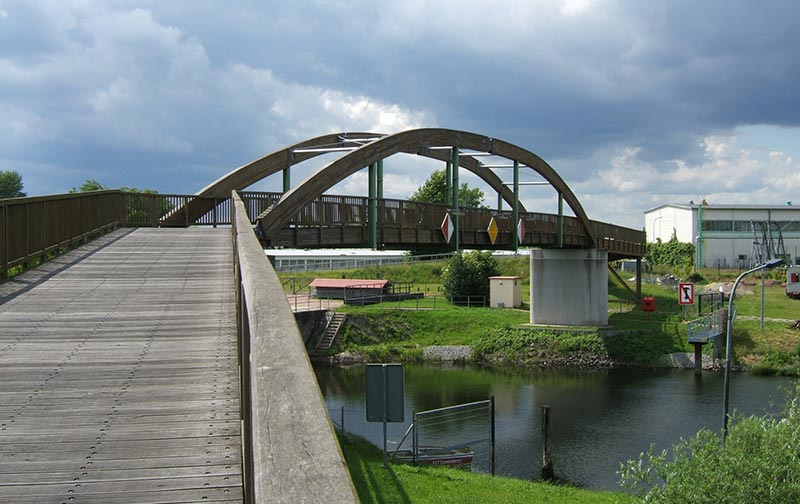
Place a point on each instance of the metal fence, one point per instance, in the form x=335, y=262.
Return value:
x=469, y=426
x=705, y=329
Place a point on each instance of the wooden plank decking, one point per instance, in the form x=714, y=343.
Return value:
x=118, y=373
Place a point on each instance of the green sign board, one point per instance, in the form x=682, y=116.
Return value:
x=385, y=393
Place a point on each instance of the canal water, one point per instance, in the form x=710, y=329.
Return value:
x=598, y=418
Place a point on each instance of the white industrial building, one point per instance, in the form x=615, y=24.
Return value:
x=727, y=236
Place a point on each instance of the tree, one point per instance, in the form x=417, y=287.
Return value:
x=758, y=463
x=137, y=204
x=89, y=185
x=11, y=185
x=433, y=191
x=467, y=274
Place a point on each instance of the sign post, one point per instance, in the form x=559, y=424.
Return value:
x=686, y=293
x=685, y=297
x=385, y=399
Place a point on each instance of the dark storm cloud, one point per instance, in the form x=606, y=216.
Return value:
x=172, y=94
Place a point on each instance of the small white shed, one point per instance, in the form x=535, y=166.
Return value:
x=504, y=291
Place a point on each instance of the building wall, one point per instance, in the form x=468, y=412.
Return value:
x=660, y=223
x=727, y=232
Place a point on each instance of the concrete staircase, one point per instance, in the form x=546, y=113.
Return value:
x=328, y=338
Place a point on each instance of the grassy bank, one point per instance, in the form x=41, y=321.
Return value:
x=633, y=338
x=501, y=336
x=405, y=484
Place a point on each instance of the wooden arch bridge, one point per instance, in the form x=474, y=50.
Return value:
x=304, y=217
x=147, y=351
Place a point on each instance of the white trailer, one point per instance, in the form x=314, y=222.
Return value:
x=793, y=282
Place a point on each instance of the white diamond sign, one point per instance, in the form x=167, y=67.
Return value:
x=520, y=231
x=447, y=227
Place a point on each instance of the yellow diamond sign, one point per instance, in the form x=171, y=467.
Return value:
x=492, y=230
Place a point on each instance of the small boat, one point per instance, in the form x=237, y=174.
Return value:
x=432, y=455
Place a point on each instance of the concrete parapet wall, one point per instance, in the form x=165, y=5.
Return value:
x=569, y=287
x=291, y=451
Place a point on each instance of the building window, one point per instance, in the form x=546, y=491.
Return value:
x=718, y=225
x=789, y=226
x=743, y=226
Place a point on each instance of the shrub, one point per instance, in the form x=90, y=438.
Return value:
x=759, y=463
x=467, y=274
x=672, y=253
x=697, y=278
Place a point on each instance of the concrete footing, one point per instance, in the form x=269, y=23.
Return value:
x=569, y=287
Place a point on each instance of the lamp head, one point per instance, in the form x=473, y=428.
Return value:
x=772, y=263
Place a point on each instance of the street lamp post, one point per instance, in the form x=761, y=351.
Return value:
x=729, y=341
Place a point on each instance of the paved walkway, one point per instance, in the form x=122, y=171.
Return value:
x=118, y=373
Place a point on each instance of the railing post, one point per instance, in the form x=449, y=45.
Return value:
x=215, y=212
x=123, y=209
x=153, y=211
x=43, y=237
x=3, y=241
x=27, y=235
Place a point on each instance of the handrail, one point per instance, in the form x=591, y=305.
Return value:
x=34, y=228
x=290, y=449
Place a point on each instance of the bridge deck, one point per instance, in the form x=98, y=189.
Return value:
x=118, y=373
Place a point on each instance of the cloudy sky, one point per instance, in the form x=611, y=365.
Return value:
x=634, y=103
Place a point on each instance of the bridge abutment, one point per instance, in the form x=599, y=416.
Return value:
x=569, y=287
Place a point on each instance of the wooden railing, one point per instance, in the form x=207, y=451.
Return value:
x=290, y=449
x=33, y=229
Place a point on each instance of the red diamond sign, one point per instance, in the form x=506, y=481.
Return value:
x=447, y=227
x=521, y=231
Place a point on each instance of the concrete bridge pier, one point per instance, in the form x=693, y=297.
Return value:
x=569, y=287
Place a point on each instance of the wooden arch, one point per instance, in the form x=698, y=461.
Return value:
x=248, y=174
x=416, y=141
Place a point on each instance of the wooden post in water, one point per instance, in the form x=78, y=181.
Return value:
x=698, y=359
x=547, y=463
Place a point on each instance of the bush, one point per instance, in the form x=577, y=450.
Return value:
x=697, y=278
x=759, y=463
x=467, y=274
x=672, y=253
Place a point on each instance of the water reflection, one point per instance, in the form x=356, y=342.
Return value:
x=598, y=418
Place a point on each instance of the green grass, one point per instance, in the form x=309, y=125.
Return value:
x=403, y=334
x=635, y=338
x=424, y=276
x=447, y=325
x=776, y=348
x=404, y=484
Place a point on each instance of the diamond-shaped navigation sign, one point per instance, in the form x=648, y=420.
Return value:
x=520, y=231
x=492, y=230
x=447, y=227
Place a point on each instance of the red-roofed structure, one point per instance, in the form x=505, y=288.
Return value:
x=344, y=288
